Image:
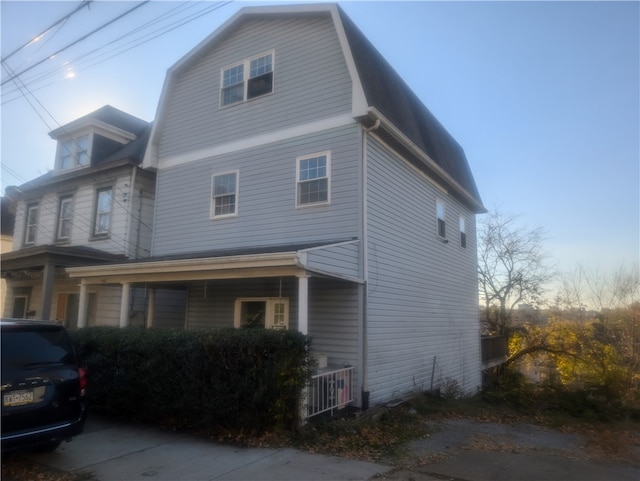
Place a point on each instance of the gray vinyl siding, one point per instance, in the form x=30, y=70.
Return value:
x=311, y=82
x=333, y=320
x=212, y=303
x=422, y=292
x=333, y=310
x=266, y=203
x=341, y=260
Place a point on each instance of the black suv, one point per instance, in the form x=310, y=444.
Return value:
x=43, y=386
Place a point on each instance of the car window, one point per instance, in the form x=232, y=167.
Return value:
x=22, y=348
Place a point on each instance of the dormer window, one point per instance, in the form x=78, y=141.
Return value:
x=74, y=152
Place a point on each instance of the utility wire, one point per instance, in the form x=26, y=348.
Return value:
x=75, y=42
x=85, y=3
x=178, y=20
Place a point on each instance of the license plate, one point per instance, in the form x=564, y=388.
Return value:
x=18, y=398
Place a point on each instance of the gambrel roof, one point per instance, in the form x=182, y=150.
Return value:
x=380, y=97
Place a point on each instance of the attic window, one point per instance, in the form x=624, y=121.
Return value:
x=74, y=152
x=259, y=74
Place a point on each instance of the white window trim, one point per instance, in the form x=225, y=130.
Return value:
x=270, y=303
x=440, y=202
x=100, y=235
x=212, y=208
x=35, y=206
x=326, y=154
x=63, y=200
x=74, y=139
x=246, y=63
x=462, y=227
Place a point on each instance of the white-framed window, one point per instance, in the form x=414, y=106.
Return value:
x=313, y=184
x=74, y=152
x=102, y=219
x=262, y=312
x=440, y=216
x=65, y=213
x=224, y=194
x=246, y=80
x=463, y=233
x=31, y=226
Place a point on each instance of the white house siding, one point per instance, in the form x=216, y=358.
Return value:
x=266, y=203
x=422, y=292
x=84, y=197
x=311, y=82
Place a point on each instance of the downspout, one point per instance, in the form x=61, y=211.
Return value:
x=365, y=262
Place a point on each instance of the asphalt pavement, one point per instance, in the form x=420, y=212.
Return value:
x=456, y=450
x=121, y=452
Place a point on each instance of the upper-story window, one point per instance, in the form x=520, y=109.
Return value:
x=224, y=195
x=74, y=152
x=102, y=221
x=31, y=226
x=313, y=179
x=65, y=212
x=441, y=224
x=258, y=72
x=463, y=233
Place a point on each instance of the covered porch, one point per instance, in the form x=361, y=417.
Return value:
x=308, y=289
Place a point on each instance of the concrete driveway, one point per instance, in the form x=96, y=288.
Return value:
x=115, y=452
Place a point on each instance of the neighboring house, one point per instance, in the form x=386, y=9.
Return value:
x=7, y=220
x=302, y=185
x=95, y=206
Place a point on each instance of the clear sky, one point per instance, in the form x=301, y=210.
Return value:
x=542, y=96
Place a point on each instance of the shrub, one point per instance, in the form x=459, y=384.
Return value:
x=242, y=379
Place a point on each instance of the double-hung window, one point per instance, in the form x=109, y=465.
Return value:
x=65, y=212
x=440, y=214
x=313, y=179
x=74, y=152
x=248, y=79
x=463, y=233
x=31, y=226
x=102, y=221
x=224, y=195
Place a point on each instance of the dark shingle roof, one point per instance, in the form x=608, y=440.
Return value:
x=109, y=115
x=386, y=91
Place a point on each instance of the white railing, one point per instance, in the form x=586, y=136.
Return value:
x=330, y=389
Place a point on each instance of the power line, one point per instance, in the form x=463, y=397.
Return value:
x=85, y=3
x=175, y=14
x=76, y=41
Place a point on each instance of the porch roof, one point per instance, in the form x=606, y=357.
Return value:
x=268, y=261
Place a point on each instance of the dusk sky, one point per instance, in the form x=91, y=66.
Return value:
x=543, y=96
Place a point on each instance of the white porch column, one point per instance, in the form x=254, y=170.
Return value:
x=124, y=304
x=83, y=303
x=303, y=303
x=151, y=307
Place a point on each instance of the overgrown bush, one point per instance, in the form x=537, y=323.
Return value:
x=241, y=379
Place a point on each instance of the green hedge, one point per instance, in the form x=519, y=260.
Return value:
x=245, y=379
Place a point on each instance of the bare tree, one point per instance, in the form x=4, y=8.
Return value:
x=512, y=268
